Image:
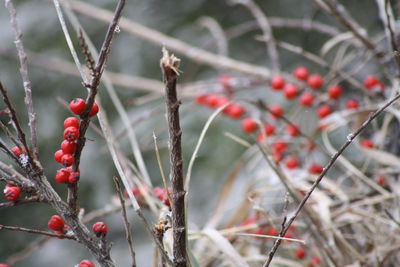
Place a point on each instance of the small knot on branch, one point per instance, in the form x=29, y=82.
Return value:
x=169, y=62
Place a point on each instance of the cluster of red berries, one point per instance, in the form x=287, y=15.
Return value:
x=159, y=193
x=65, y=155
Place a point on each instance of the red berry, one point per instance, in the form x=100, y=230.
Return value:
x=17, y=151
x=292, y=130
x=371, y=81
x=272, y=231
x=56, y=223
x=71, y=122
x=315, y=169
x=352, y=104
x=161, y=194
x=235, y=111
x=314, y=261
x=222, y=100
x=276, y=111
x=381, y=180
x=77, y=106
x=324, y=111
x=277, y=82
x=301, y=73
x=94, y=109
x=58, y=155
x=292, y=163
x=269, y=129
x=290, y=91
x=212, y=100
x=74, y=177
x=68, y=147
x=249, y=125
x=367, y=143
x=67, y=160
x=315, y=81
x=62, y=176
x=12, y=193
x=279, y=146
x=71, y=134
x=100, y=228
x=201, y=99
x=278, y=156
x=307, y=99
x=86, y=263
x=4, y=265
x=226, y=81
x=300, y=253
x=335, y=91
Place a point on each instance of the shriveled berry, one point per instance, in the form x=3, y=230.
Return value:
x=235, y=111
x=62, y=176
x=12, y=193
x=292, y=163
x=315, y=81
x=93, y=111
x=352, y=104
x=68, y=147
x=335, y=91
x=67, y=160
x=301, y=73
x=56, y=223
x=58, y=155
x=324, y=111
x=276, y=111
x=290, y=91
x=367, y=143
x=300, y=253
x=74, y=177
x=71, y=122
x=249, y=125
x=100, y=229
x=292, y=130
x=277, y=82
x=306, y=99
x=86, y=263
x=77, y=106
x=71, y=134
x=315, y=168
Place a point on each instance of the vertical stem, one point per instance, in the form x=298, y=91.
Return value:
x=169, y=65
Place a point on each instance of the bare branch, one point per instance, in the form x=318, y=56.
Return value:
x=33, y=231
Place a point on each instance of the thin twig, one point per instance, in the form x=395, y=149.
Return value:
x=10, y=204
x=327, y=167
x=126, y=222
x=25, y=77
x=33, y=231
x=169, y=65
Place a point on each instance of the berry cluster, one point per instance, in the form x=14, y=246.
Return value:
x=65, y=155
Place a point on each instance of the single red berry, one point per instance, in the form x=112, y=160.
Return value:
x=71, y=134
x=335, y=91
x=68, y=147
x=226, y=81
x=201, y=99
x=235, y=111
x=301, y=73
x=306, y=99
x=222, y=100
x=74, y=177
x=12, y=193
x=86, y=263
x=56, y=223
x=315, y=169
x=4, y=265
x=100, y=228
x=71, y=122
x=292, y=163
x=249, y=125
x=367, y=143
x=324, y=111
x=300, y=253
x=17, y=151
x=292, y=130
x=269, y=129
x=212, y=100
x=290, y=91
x=162, y=195
x=315, y=81
x=277, y=82
x=371, y=81
x=272, y=231
x=94, y=109
x=279, y=146
x=77, y=106
x=67, y=160
x=62, y=176
x=278, y=156
x=276, y=111
x=314, y=261
x=352, y=104
x=58, y=155
x=381, y=180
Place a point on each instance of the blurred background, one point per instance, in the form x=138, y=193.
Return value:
x=135, y=57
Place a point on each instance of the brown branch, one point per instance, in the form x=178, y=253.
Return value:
x=10, y=204
x=395, y=48
x=90, y=63
x=327, y=167
x=126, y=222
x=169, y=65
x=25, y=77
x=33, y=231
